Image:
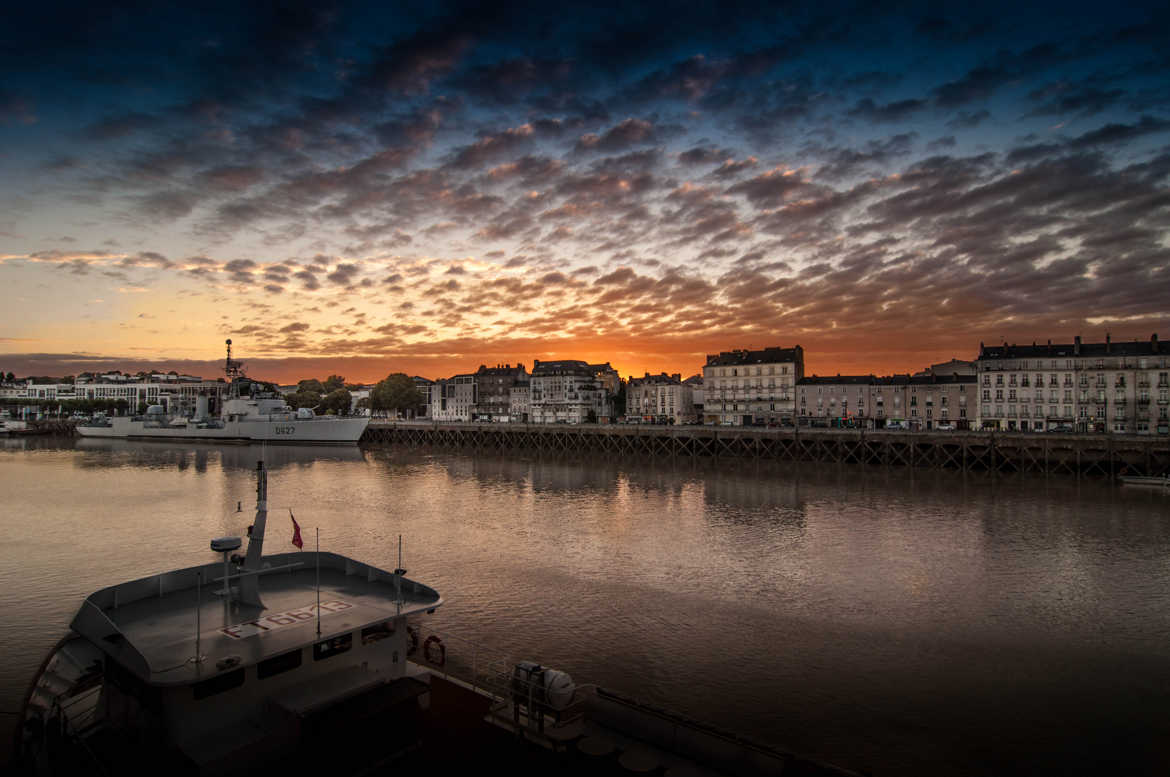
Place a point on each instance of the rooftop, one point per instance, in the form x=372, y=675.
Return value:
x=1075, y=349
x=774, y=355
x=148, y=625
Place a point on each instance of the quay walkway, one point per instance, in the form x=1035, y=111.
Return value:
x=1079, y=455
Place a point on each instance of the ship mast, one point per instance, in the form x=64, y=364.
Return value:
x=250, y=584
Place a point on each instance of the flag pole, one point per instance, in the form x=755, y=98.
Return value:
x=318, y=581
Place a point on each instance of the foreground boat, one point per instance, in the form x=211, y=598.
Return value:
x=193, y=667
x=196, y=671
x=249, y=416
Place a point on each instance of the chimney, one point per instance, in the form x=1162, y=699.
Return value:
x=1077, y=345
x=1154, y=342
x=1108, y=347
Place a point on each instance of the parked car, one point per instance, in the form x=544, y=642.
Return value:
x=945, y=427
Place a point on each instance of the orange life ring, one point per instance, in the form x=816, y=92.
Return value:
x=413, y=634
x=434, y=640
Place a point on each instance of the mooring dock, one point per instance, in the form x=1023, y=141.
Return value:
x=1088, y=455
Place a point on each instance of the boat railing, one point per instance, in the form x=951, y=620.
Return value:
x=490, y=670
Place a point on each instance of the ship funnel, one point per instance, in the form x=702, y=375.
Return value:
x=201, y=407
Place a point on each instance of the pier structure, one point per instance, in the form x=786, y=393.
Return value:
x=1097, y=455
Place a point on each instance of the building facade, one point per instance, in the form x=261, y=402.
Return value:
x=1086, y=387
x=662, y=398
x=454, y=398
x=923, y=402
x=175, y=395
x=494, y=390
x=520, y=406
x=566, y=391
x=752, y=387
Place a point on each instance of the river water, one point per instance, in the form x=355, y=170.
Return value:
x=890, y=620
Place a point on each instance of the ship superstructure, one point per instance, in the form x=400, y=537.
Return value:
x=219, y=662
x=248, y=414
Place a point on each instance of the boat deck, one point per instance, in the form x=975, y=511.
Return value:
x=156, y=618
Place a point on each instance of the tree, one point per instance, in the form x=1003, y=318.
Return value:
x=312, y=385
x=332, y=383
x=396, y=392
x=337, y=401
x=308, y=399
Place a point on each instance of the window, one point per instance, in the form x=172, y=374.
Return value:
x=377, y=632
x=332, y=647
x=285, y=662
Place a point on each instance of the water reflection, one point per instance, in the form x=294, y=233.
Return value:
x=902, y=621
x=154, y=454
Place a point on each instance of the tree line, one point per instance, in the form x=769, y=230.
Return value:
x=394, y=393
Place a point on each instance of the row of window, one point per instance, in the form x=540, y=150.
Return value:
x=286, y=662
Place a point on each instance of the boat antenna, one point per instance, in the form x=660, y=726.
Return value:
x=318, y=581
x=398, y=573
x=250, y=584
x=198, y=657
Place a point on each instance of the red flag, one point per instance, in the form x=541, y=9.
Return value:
x=296, y=532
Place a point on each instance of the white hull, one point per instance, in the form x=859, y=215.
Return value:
x=297, y=430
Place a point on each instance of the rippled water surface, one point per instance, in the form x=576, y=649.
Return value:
x=890, y=620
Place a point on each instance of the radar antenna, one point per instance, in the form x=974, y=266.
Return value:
x=233, y=369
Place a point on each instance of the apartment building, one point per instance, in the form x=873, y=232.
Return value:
x=176, y=395
x=660, y=398
x=567, y=391
x=1087, y=387
x=454, y=398
x=494, y=390
x=520, y=401
x=920, y=402
x=752, y=387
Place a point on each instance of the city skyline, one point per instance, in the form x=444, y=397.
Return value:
x=342, y=189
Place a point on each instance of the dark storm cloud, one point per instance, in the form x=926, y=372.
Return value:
x=769, y=189
x=1060, y=99
x=703, y=155
x=876, y=154
x=969, y=120
x=493, y=146
x=231, y=177
x=901, y=110
x=1119, y=133
x=629, y=133
x=511, y=80
x=165, y=205
x=344, y=274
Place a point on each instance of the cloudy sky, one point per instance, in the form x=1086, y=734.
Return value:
x=430, y=186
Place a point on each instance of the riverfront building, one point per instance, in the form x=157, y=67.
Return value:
x=494, y=389
x=454, y=398
x=922, y=402
x=660, y=398
x=1111, y=386
x=174, y=392
x=520, y=407
x=567, y=391
x=746, y=387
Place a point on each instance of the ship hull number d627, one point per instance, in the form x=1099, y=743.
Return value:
x=284, y=430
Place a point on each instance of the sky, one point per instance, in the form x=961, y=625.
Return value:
x=426, y=187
